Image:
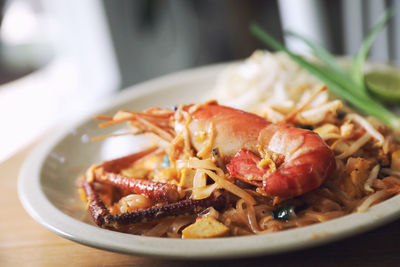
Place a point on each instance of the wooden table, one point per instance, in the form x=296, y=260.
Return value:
x=23, y=242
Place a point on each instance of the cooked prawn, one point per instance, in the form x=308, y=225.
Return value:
x=281, y=160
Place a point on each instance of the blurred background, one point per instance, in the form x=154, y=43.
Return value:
x=59, y=59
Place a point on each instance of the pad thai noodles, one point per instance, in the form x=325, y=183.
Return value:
x=296, y=157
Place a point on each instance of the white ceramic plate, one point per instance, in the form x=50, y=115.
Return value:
x=48, y=192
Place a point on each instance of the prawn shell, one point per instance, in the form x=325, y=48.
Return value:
x=308, y=160
x=234, y=129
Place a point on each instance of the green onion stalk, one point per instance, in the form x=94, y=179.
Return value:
x=348, y=86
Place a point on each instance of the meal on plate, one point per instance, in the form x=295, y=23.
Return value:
x=296, y=157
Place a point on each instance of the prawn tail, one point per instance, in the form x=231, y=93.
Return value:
x=305, y=168
x=302, y=174
x=244, y=166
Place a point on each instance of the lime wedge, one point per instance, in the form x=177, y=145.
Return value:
x=384, y=84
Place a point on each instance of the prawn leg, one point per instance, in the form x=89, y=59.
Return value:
x=108, y=173
x=95, y=205
x=154, y=190
x=183, y=207
x=103, y=218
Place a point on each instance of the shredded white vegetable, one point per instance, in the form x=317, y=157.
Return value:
x=273, y=115
x=367, y=126
x=370, y=200
x=232, y=188
x=316, y=115
x=355, y=146
x=246, y=86
x=199, y=164
x=330, y=136
x=372, y=176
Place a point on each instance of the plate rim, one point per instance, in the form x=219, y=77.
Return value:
x=39, y=207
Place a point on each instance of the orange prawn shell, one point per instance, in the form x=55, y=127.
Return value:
x=235, y=129
x=308, y=160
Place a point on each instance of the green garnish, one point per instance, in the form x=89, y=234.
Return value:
x=350, y=87
x=384, y=84
x=307, y=127
x=166, y=163
x=284, y=213
x=341, y=114
x=319, y=51
x=361, y=56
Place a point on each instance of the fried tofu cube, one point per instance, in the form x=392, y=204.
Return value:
x=206, y=227
x=395, y=165
x=186, y=177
